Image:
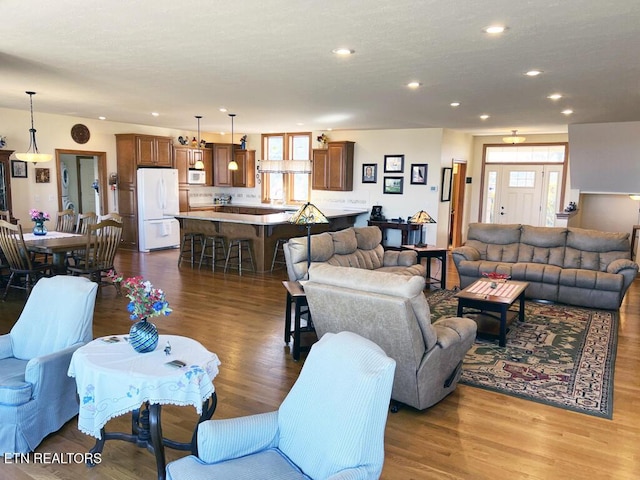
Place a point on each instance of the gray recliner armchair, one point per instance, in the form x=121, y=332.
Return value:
x=392, y=311
x=37, y=396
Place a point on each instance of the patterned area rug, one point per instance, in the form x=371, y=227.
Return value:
x=560, y=355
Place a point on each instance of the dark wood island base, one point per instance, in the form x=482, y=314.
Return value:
x=262, y=230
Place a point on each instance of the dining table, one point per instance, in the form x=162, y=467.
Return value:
x=56, y=244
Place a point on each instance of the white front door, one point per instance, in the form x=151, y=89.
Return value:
x=513, y=194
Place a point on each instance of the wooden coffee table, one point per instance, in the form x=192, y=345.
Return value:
x=484, y=299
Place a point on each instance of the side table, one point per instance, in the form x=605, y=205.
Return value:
x=297, y=297
x=430, y=252
x=113, y=379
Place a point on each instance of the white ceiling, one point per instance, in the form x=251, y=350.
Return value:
x=270, y=62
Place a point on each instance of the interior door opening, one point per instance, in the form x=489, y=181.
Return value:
x=82, y=181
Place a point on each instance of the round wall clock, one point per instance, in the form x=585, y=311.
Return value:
x=80, y=133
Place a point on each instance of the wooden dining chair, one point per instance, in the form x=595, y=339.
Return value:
x=5, y=215
x=115, y=216
x=84, y=221
x=66, y=221
x=103, y=240
x=20, y=264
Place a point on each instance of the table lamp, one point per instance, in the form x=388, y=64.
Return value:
x=308, y=214
x=421, y=218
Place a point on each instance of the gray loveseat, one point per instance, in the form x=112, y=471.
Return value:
x=358, y=247
x=588, y=268
x=392, y=311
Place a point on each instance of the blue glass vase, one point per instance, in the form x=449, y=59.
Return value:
x=143, y=336
x=39, y=229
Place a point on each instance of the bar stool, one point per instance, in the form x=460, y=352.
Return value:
x=234, y=252
x=216, y=245
x=188, y=247
x=278, y=253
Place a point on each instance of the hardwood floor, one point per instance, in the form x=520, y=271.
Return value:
x=471, y=434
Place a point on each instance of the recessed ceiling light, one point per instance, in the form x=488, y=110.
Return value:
x=343, y=51
x=413, y=84
x=533, y=73
x=329, y=129
x=455, y=104
x=102, y=118
x=495, y=29
x=155, y=114
x=554, y=96
x=222, y=109
x=567, y=111
x=484, y=116
x=300, y=124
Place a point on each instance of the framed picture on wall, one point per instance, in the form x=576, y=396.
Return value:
x=419, y=173
x=393, y=163
x=18, y=169
x=393, y=185
x=369, y=173
x=42, y=175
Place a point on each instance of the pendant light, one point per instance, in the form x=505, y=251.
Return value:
x=513, y=138
x=32, y=155
x=232, y=164
x=199, y=163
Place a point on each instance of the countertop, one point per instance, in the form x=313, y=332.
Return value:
x=269, y=219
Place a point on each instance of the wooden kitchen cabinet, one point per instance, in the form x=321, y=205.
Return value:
x=332, y=167
x=133, y=151
x=245, y=176
x=186, y=158
x=221, y=157
x=152, y=151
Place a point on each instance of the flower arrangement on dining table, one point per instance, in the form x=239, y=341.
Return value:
x=39, y=216
x=145, y=301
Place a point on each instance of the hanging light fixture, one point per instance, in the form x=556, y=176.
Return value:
x=513, y=138
x=32, y=155
x=232, y=164
x=199, y=165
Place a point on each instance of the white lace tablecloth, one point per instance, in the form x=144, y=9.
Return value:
x=50, y=234
x=113, y=379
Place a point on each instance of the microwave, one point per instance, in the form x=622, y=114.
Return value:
x=196, y=177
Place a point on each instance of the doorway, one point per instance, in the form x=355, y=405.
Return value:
x=458, y=183
x=82, y=181
x=523, y=184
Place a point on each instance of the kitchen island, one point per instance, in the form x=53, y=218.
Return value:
x=263, y=230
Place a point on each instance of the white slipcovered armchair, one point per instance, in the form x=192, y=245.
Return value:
x=36, y=395
x=330, y=425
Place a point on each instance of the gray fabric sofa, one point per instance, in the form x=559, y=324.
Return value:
x=358, y=247
x=392, y=311
x=588, y=268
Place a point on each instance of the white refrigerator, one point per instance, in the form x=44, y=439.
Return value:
x=157, y=203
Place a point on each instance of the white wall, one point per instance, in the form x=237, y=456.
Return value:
x=598, y=149
x=54, y=132
x=422, y=145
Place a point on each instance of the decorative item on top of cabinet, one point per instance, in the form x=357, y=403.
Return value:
x=332, y=167
x=244, y=177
